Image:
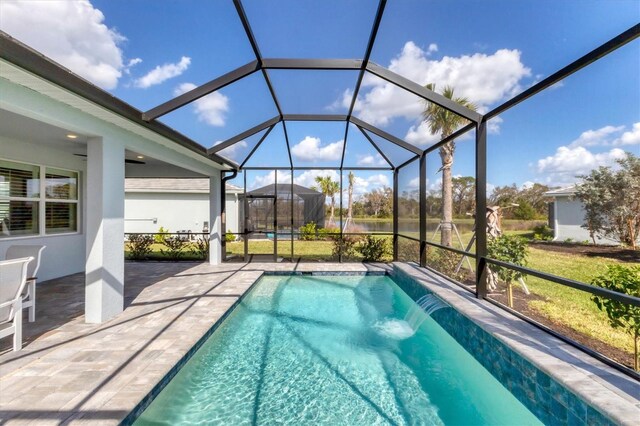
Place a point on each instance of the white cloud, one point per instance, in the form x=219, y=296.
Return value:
x=371, y=160
x=420, y=135
x=609, y=136
x=311, y=149
x=210, y=109
x=432, y=48
x=308, y=178
x=597, y=137
x=493, y=125
x=132, y=63
x=232, y=151
x=631, y=137
x=567, y=163
x=162, y=73
x=481, y=78
x=72, y=33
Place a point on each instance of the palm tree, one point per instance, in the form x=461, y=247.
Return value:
x=352, y=179
x=445, y=122
x=329, y=188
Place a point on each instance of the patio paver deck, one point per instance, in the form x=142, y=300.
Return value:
x=73, y=372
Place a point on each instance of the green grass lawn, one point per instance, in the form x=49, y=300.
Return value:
x=571, y=307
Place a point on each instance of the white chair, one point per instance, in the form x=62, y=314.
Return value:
x=13, y=279
x=35, y=251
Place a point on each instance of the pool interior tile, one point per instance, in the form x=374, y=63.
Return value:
x=491, y=338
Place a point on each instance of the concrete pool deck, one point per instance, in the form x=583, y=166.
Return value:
x=70, y=372
x=73, y=372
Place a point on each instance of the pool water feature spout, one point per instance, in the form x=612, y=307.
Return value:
x=429, y=304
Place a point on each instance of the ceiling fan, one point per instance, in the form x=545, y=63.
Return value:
x=126, y=160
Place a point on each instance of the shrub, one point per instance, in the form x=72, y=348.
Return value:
x=161, y=235
x=446, y=262
x=408, y=250
x=328, y=233
x=175, y=247
x=200, y=247
x=542, y=233
x=624, y=280
x=345, y=247
x=373, y=249
x=308, y=232
x=228, y=237
x=511, y=249
x=139, y=246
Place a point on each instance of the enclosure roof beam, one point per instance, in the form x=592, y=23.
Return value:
x=367, y=53
x=314, y=117
x=255, y=148
x=382, y=154
x=316, y=168
x=394, y=140
x=200, y=91
x=410, y=160
x=237, y=138
x=461, y=131
x=311, y=64
x=423, y=92
x=286, y=139
x=256, y=50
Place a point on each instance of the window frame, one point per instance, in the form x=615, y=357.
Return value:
x=42, y=201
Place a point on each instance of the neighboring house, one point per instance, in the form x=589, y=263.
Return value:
x=567, y=217
x=174, y=204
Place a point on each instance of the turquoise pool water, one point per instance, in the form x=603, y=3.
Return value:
x=333, y=350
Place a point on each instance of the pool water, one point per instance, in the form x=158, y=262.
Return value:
x=333, y=350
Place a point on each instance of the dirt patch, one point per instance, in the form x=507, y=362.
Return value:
x=590, y=250
x=521, y=304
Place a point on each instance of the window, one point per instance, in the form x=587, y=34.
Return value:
x=61, y=204
x=30, y=205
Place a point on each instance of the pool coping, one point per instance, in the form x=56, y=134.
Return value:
x=611, y=392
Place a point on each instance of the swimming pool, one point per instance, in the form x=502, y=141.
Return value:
x=333, y=350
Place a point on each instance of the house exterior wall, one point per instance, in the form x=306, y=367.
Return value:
x=65, y=253
x=569, y=217
x=148, y=211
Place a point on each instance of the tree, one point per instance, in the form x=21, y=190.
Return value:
x=379, y=202
x=463, y=192
x=352, y=179
x=611, y=200
x=621, y=315
x=445, y=122
x=524, y=211
x=511, y=249
x=329, y=188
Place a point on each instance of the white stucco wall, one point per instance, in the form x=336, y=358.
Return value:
x=173, y=211
x=569, y=217
x=65, y=254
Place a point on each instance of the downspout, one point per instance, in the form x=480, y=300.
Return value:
x=223, y=210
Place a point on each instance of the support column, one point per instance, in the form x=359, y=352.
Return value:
x=423, y=209
x=215, y=222
x=481, y=209
x=104, y=269
x=395, y=215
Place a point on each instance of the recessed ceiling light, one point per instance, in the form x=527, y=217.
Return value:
x=140, y=157
x=72, y=136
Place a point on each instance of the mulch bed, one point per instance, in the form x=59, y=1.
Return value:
x=612, y=252
x=521, y=304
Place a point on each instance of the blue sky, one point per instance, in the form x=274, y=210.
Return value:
x=147, y=52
